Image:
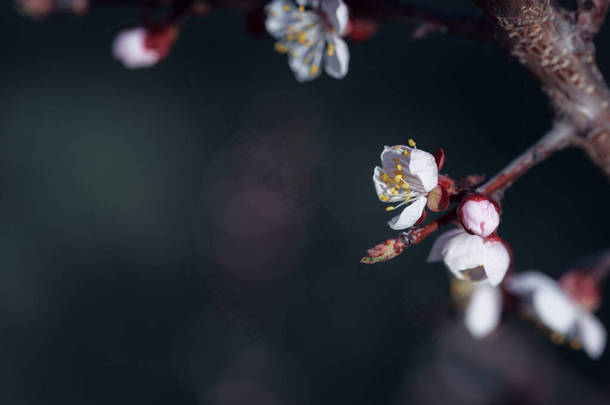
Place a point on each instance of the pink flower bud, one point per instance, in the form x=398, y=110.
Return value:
x=143, y=47
x=479, y=215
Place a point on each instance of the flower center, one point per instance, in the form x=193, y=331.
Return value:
x=396, y=180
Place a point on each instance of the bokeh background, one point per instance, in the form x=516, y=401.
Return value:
x=191, y=233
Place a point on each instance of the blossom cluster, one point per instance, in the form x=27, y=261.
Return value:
x=478, y=259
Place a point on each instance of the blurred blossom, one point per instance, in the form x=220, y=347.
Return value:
x=42, y=8
x=36, y=8
x=309, y=31
x=142, y=47
x=472, y=257
x=406, y=176
x=546, y=300
x=484, y=310
x=479, y=215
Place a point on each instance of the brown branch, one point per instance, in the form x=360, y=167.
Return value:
x=556, y=50
x=395, y=246
x=416, y=235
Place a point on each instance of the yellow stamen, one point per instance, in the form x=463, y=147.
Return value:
x=279, y=47
x=557, y=338
x=330, y=50
x=384, y=197
x=397, y=178
x=314, y=69
x=399, y=166
x=302, y=37
x=301, y=8
x=411, y=143
x=287, y=7
x=390, y=208
x=405, y=152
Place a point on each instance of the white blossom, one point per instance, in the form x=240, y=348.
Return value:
x=406, y=176
x=558, y=311
x=471, y=257
x=309, y=31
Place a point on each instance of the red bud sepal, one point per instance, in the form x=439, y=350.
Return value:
x=386, y=250
x=439, y=156
x=161, y=38
x=448, y=184
x=438, y=199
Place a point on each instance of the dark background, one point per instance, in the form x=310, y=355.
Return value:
x=191, y=233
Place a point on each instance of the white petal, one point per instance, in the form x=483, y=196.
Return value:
x=280, y=8
x=278, y=19
x=592, y=334
x=337, y=13
x=528, y=282
x=382, y=188
x=484, y=309
x=463, y=252
x=129, y=47
x=409, y=216
x=420, y=166
x=555, y=309
x=309, y=3
x=303, y=58
x=496, y=261
x=389, y=153
x=423, y=165
x=436, y=254
x=336, y=65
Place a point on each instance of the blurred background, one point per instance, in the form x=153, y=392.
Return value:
x=191, y=233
